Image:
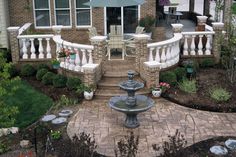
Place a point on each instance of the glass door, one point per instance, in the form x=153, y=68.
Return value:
x=130, y=19
x=113, y=17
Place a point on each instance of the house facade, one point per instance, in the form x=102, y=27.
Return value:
x=75, y=17
x=4, y=23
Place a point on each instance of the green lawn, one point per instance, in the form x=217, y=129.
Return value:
x=31, y=104
x=234, y=8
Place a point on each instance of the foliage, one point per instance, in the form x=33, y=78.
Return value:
x=7, y=115
x=174, y=147
x=64, y=101
x=82, y=87
x=168, y=77
x=47, y=79
x=147, y=22
x=55, y=62
x=180, y=73
x=207, y=62
x=234, y=8
x=42, y=66
x=40, y=73
x=219, y=94
x=164, y=86
x=27, y=70
x=55, y=135
x=128, y=146
x=73, y=82
x=188, y=86
x=3, y=148
x=9, y=70
x=31, y=104
x=59, y=81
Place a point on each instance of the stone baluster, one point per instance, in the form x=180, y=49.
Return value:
x=24, y=49
x=90, y=57
x=84, y=58
x=163, y=57
x=168, y=55
x=32, y=49
x=48, y=49
x=185, y=53
x=41, y=55
x=208, y=45
x=72, y=60
x=192, y=52
x=157, y=57
x=177, y=51
x=150, y=58
x=200, y=52
x=77, y=60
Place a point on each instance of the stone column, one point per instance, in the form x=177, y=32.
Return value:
x=90, y=74
x=227, y=12
x=177, y=28
x=141, y=51
x=99, y=43
x=14, y=43
x=218, y=28
x=201, y=22
x=152, y=71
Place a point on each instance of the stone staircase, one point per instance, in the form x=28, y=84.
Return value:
x=116, y=72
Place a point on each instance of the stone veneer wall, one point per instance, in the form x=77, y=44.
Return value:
x=21, y=12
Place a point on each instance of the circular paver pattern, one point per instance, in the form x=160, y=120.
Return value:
x=95, y=117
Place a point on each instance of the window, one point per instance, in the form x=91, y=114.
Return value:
x=62, y=12
x=83, y=17
x=42, y=13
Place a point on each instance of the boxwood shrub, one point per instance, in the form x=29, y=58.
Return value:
x=42, y=66
x=207, y=62
x=180, y=73
x=40, y=73
x=72, y=83
x=59, y=81
x=47, y=79
x=27, y=70
x=168, y=77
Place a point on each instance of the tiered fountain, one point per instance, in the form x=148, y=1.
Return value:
x=132, y=104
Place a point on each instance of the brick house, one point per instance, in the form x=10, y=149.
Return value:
x=76, y=17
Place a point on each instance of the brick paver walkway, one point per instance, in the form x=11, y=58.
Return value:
x=95, y=117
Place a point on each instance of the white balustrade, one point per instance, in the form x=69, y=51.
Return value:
x=167, y=52
x=29, y=47
x=83, y=54
x=198, y=43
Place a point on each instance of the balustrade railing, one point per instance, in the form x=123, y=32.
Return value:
x=33, y=48
x=82, y=54
x=197, y=43
x=166, y=53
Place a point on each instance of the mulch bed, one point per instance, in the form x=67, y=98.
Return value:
x=206, y=79
x=202, y=149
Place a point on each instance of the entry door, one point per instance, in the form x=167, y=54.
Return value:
x=113, y=17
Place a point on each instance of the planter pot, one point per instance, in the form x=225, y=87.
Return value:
x=156, y=93
x=88, y=95
x=56, y=66
x=72, y=56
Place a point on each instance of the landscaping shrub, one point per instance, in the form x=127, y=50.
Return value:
x=27, y=70
x=48, y=78
x=64, y=102
x=40, y=73
x=180, y=73
x=219, y=94
x=207, y=62
x=42, y=66
x=9, y=70
x=73, y=83
x=59, y=81
x=168, y=77
x=188, y=86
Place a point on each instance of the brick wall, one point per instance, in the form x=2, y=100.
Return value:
x=21, y=12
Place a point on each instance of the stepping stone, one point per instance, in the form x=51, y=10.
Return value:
x=219, y=150
x=48, y=118
x=231, y=144
x=65, y=113
x=59, y=120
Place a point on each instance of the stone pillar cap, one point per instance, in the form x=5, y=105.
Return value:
x=152, y=64
x=13, y=28
x=98, y=38
x=177, y=25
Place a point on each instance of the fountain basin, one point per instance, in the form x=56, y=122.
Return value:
x=143, y=103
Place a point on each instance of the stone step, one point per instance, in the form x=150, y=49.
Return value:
x=117, y=73
x=107, y=93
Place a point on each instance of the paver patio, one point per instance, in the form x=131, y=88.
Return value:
x=95, y=117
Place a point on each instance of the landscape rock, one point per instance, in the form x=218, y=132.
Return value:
x=65, y=113
x=48, y=118
x=59, y=120
x=231, y=144
x=219, y=150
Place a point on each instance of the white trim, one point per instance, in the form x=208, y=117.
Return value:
x=105, y=20
x=58, y=9
x=50, y=20
x=91, y=17
x=139, y=12
x=122, y=19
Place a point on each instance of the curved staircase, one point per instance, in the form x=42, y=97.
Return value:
x=116, y=72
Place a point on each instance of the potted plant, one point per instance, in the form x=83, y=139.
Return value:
x=88, y=91
x=148, y=23
x=55, y=64
x=160, y=89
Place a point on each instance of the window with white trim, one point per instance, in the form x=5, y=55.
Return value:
x=62, y=12
x=42, y=13
x=83, y=13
